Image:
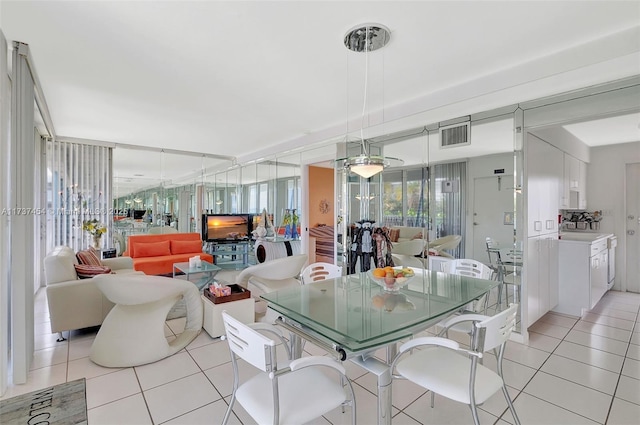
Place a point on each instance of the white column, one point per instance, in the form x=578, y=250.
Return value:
x=21, y=179
x=5, y=117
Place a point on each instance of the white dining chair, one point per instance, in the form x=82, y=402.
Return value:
x=284, y=392
x=441, y=366
x=470, y=268
x=320, y=271
x=507, y=267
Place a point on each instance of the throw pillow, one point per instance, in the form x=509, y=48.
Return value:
x=185, y=247
x=417, y=236
x=88, y=257
x=153, y=249
x=85, y=271
x=394, y=235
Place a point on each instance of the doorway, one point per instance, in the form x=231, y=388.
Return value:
x=321, y=213
x=632, y=234
x=492, y=214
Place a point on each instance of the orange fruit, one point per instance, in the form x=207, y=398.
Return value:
x=388, y=269
x=379, y=272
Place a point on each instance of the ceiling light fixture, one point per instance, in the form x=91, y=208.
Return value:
x=367, y=38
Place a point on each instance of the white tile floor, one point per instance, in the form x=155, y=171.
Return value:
x=573, y=371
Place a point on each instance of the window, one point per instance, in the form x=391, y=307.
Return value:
x=405, y=196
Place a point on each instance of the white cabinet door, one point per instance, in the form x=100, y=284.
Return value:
x=545, y=165
x=535, y=159
x=554, y=167
x=574, y=172
x=533, y=280
x=541, y=276
x=554, y=272
x=566, y=181
x=582, y=185
x=598, y=278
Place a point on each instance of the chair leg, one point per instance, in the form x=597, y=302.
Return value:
x=433, y=399
x=474, y=413
x=343, y=383
x=227, y=414
x=510, y=403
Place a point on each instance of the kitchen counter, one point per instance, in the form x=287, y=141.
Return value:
x=582, y=271
x=583, y=236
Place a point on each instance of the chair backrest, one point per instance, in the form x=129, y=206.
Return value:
x=278, y=269
x=495, y=330
x=248, y=344
x=320, y=271
x=468, y=267
x=493, y=252
x=445, y=243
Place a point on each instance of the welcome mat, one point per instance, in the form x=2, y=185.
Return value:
x=61, y=404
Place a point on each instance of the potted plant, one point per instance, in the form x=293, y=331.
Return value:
x=95, y=230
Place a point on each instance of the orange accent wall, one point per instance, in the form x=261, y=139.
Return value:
x=321, y=188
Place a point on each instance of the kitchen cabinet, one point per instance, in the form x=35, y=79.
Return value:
x=545, y=173
x=541, y=274
x=574, y=183
x=544, y=180
x=582, y=185
x=582, y=273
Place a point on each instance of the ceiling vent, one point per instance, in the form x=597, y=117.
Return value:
x=455, y=135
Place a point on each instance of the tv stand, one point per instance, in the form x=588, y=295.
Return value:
x=229, y=254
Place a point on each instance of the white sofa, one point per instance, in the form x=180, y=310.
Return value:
x=76, y=303
x=408, y=233
x=411, y=241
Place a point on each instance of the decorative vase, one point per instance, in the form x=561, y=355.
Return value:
x=294, y=225
x=97, y=242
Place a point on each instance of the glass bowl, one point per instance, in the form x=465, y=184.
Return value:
x=392, y=302
x=393, y=284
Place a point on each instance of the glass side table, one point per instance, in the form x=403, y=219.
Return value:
x=206, y=269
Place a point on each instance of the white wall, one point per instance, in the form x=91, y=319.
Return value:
x=606, y=192
x=483, y=166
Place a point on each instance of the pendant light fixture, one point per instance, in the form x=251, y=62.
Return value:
x=364, y=39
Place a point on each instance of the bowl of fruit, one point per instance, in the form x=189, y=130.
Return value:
x=391, y=278
x=390, y=301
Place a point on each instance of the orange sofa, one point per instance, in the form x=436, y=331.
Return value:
x=156, y=254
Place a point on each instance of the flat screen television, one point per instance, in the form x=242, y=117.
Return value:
x=137, y=214
x=222, y=227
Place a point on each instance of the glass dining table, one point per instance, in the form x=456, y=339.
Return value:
x=353, y=316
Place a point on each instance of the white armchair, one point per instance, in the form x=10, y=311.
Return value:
x=293, y=392
x=272, y=275
x=443, y=367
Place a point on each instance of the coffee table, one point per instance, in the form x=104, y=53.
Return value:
x=206, y=269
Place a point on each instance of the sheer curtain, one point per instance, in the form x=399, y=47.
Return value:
x=451, y=201
x=79, y=181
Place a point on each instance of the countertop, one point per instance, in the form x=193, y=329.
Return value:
x=583, y=237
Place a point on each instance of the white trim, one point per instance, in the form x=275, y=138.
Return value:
x=21, y=227
x=5, y=107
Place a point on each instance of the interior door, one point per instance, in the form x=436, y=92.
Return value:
x=632, y=243
x=492, y=214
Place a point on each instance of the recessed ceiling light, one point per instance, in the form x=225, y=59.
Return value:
x=138, y=175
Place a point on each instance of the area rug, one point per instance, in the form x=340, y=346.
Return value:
x=61, y=404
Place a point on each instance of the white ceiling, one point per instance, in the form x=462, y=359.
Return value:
x=244, y=79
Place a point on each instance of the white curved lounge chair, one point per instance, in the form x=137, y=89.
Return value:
x=132, y=334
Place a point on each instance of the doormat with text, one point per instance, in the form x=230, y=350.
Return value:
x=61, y=404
